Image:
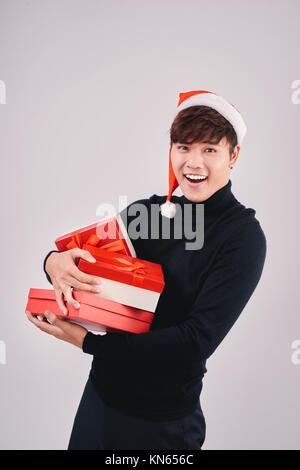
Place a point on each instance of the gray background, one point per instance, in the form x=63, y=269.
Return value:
x=91, y=90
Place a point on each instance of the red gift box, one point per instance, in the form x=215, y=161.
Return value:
x=125, y=279
x=125, y=269
x=110, y=234
x=95, y=313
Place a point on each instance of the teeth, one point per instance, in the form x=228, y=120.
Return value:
x=196, y=177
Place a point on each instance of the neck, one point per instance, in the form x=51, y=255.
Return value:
x=217, y=201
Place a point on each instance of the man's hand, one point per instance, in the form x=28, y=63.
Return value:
x=60, y=328
x=64, y=275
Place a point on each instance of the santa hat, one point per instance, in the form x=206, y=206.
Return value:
x=202, y=98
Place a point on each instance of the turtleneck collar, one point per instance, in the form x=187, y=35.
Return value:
x=217, y=201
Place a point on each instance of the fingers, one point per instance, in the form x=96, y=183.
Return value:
x=67, y=275
x=60, y=328
x=69, y=297
x=83, y=277
x=79, y=253
x=52, y=318
x=50, y=328
x=60, y=301
x=86, y=287
x=67, y=292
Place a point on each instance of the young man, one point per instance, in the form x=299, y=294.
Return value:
x=143, y=390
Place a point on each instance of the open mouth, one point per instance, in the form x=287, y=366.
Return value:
x=195, y=180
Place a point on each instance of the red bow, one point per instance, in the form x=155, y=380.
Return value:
x=101, y=253
x=137, y=268
x=122, y=262
x=93, y=240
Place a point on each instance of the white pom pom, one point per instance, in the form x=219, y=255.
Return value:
x=168, y=209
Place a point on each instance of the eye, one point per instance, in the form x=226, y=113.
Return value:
x=210, y=149
x=180, y=146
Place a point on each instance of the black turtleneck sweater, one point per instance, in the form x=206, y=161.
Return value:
x=158, y=375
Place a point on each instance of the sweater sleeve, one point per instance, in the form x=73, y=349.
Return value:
x=224, y=294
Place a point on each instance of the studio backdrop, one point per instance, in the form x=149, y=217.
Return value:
x=87, y=93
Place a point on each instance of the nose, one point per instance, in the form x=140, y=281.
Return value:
x=195, y=163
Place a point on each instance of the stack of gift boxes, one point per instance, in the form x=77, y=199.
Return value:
x=130, y=287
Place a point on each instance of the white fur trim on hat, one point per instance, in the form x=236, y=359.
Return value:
x=222, y=106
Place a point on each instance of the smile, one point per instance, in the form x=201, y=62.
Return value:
x=195, y=180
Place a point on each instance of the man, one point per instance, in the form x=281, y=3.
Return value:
x=143, y=390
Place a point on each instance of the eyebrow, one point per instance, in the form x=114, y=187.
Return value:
x=205, y=142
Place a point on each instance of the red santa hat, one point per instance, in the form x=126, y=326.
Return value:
x=202, y=98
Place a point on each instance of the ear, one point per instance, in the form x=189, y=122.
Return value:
x=235, y=154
